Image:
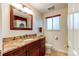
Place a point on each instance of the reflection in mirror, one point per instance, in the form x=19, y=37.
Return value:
x=20, y=20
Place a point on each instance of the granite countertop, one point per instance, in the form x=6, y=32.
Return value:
x=11, y=45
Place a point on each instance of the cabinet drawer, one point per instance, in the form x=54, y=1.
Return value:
x=33, y=51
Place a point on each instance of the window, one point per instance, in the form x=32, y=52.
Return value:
x=76, y=20
x=53, y=23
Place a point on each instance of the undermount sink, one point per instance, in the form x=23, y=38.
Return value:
x=23, y=42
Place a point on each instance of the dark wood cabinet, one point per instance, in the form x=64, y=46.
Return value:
x=42, y=47
x=33, y=51
x=36, y=48
x=33, y=48
x=16, y=52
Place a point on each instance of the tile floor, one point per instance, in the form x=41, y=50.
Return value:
x=56, y=53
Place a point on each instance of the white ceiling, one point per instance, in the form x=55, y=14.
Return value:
x=43, y=7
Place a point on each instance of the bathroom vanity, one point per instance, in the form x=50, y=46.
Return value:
x=27, y=47
x=22, y=45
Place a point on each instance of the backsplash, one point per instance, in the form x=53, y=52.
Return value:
x=19, y=37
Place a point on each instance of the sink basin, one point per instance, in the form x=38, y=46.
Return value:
x=26, y=41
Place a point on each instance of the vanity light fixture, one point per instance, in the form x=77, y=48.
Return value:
x=21, y=7
x=27, y=10
x=17, y=5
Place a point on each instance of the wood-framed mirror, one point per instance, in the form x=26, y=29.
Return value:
x=20, y=20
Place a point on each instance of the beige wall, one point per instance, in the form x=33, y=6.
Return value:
x=6, y=22
x=0, y=28
x=62, y=34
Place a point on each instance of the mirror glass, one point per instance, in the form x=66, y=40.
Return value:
x=20, y=20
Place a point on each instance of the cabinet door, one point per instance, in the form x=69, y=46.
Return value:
x=33, y=49
x=33, y=52
x=42, y=50
x=42, y=47
x=16, y=52
x=19, y=52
